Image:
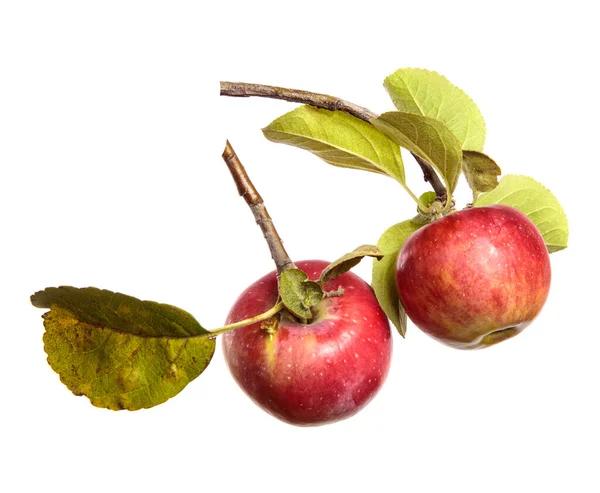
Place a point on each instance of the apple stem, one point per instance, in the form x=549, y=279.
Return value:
x=245, y=89
x=249, y=321
x=248, y=191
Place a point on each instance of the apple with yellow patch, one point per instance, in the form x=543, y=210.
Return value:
x=315, y=373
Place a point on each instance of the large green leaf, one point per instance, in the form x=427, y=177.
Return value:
x=384, y=279
x=428, y=93
x=535, y=200
x=339, y=139
x=428, y=138
x=119, y=351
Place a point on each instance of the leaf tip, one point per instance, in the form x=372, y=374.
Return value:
x=41, y=299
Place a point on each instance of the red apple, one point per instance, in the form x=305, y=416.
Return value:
x=316, y=373
x=475, y=277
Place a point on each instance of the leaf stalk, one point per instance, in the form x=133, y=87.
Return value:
x=249, y=321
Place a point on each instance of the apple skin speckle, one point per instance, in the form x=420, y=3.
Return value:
x=317, y=373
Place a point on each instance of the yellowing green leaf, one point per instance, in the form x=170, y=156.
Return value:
x=428, y=93
x=119, y=351
x=346, y=262
x=339, y=139
x=426, y=137
x=537, y=202
x=481, y=171
x=384, y=279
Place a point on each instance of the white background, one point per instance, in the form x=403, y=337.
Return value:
x=111, y=131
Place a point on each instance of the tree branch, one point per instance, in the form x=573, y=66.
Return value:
x=247, y=190
x=244, y=89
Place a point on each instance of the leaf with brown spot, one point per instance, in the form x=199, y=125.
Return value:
x=119, y=351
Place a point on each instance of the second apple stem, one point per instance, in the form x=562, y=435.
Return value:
x=248, y=191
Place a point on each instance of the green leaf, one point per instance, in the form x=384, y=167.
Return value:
x=428, y=138
x=119, y=351
x=428, y=93
x=537, y=202
x=384, y=279
x=339, y=139
x=348, y=261
x=298, y=294
x=481, y=171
